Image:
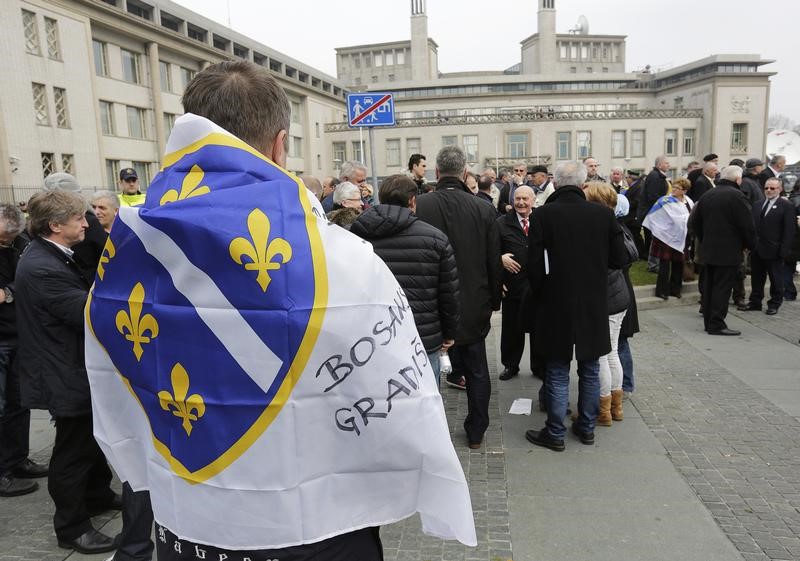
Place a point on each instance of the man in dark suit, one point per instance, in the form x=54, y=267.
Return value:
x=704, y=182
x=656, y=185
x=775, y=225
x=51, y=293
x=572, y=244
x=722, y=222
x=471, y=226
x=774, y=168
x=514, y=228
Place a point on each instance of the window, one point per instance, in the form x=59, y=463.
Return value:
x=671, y=142
x=62, y=114
x=401, y=57
x=140, y=9
x=617, y=144
x=517, y=145
x=295, y=111
x=187, y=75
x=356, y=60
x=241, y=52
x=137, y=126
x=48, y=163
x=319, y=161
x=169, y=122
x=316, y=130
x=563, y=143
x=573, y=52
x=739, y=138
x=413, y=146
x=295, y=147
x=573, y=69
x=449, y=140
x=562, y=51
x=68, y=163
x=31, y=31
x=367, y=60
x=390, y=58
x=584, y=139
x=584, y=52
x=112, y=173
x=51, y=38
x=378, y=59
x=100, y=58
x=171, y=22
x=357, y=152
x=166, y=76
x=107, y=118
x=130, y=67
x=393, y=152
x=143, y=171
x=339, y=152
x=471, y=147
x=196, y=33
x=688, y=142
x=637, y=144
x=40, y=104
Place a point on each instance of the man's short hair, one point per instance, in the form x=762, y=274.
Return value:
x=53, y=207
x=659, y=160
x=570, y=173
x=617, y=168
x=242, y=98
x=731, y=173
x=346, y=190
x=63, y=181
x=397, y=190
x=774, y=180
x=709, y=157
x=312, y=184
x=710, y=165
x=485, y=183
x=112, y=198
x=414, y=160
x=12, y=221
x=349, y=168
x=451, y=162
x=776, y=159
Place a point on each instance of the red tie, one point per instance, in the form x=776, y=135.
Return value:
x=525, y=226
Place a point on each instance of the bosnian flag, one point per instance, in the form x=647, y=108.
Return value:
x=258, y=369
x=667, y=220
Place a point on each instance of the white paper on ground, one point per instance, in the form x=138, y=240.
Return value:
x=521, y=406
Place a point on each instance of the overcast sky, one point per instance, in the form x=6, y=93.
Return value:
x=485, y=35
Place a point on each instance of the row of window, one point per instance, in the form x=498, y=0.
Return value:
x=165, y=70
x=41, y=106
x=137, y=118
x=591, y=51
x=30, y=28
x=539, y=110
x=143, y=171
x=378, y=59
x=49, y=163
x=515, y=87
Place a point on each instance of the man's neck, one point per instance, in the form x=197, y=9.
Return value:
x=58, y=242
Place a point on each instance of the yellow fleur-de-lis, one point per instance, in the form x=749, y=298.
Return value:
x=260, y=250
x=187, y=408
x=189, y=188
x=108, y=253
x=133, y=325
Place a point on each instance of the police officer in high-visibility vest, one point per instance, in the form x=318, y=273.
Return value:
x=129, y=185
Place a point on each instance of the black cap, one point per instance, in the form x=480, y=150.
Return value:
x=127, y=173
x=737, y=162
x=633, y=173
x=709, y=157
x=538, y=169
x=753, y=163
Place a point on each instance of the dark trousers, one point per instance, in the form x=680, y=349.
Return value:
x=718, y=284
x=469, y=360
x=360, y=545
x=79, y=477
x=648, y=239
x=738, y=285
x=789, y=289
x=759, y=270
x=670, y=278
x=137, y=524
x=636, y=231
x=512, y=334
x=15, y=421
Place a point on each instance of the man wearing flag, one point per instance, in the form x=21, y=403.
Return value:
x=257, y=370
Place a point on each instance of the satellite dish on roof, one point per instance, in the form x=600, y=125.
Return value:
x=785, y=143
x=582, y=27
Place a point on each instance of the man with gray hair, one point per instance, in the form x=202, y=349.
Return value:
x=353, y=171
x=105, y=206
x=572, y=244
x=774, y=168
x=470, y=225
x=722, y=222
x=655, y=186
x=704, y=182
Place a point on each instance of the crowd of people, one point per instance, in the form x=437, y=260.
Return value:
x=552, y=251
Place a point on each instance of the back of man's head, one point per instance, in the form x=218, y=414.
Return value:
x=312, y=184
x=397, y=190
x=485, y=184
x=570, y=173
x=451, y=162
x=731, y=173
x=242, y=98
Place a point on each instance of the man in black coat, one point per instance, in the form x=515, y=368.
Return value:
x=514, y=228
x=704, y=182
x=655, y=186
x=572, y=245
x=51, y=296
x=421, y=259
x=16, y=469
x=775, y=167
x=774, y=221
x=722, y=222
x=471, y=227
x=632, y=220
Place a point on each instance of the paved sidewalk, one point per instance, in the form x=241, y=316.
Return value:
x=705, y=466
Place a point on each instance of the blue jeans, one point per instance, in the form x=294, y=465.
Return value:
x=434, y=360
x=625, y=357
x=557, y=395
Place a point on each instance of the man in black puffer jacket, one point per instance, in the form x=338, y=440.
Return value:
x=421, y=258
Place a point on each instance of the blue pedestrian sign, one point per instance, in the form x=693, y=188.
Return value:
x=370, y=109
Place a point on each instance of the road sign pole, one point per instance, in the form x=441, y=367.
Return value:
x=372, y=165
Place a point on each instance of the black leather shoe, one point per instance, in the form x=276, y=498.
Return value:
x=12, y=487
x=662, y=296
x=585, y=437
x=725, y=331
x=543, y=438
x=115, y=503
x=771, y=311
x=31, y=470
x=508, y=373
x=89, y=543
x=748, y=308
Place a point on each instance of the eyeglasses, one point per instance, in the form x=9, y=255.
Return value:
x=772, y=188
x=520, y=169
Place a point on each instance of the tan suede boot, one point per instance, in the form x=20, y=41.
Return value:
x=604, y=416
x=616, y=405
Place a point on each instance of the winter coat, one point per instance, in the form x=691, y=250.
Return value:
x=722, y=222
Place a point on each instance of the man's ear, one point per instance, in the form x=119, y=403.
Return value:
x=437, y=174
x=278, y=151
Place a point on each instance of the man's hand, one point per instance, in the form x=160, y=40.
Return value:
x=509, y=264
x=447, y=343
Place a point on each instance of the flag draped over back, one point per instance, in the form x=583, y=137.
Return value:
x=668, y=219
x=257, y=369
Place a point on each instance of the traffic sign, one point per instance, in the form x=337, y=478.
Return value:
x=370, y=109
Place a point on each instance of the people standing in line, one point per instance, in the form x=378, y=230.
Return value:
x=775, y=222
x=471, y=227
x=723, y=224
x=572, y=244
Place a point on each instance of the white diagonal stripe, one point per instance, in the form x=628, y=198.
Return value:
x=216, y=311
